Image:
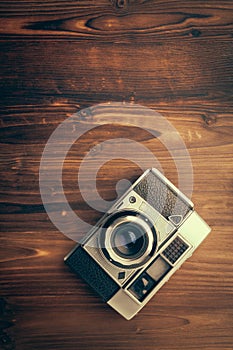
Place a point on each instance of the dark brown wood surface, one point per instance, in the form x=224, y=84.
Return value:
x=58, y=57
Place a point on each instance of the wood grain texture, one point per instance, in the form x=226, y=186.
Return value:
x=60, y=56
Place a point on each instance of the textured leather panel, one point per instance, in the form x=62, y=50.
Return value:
x=161, y=197
x=81, y=263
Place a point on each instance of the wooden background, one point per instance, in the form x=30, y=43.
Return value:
x=60, y=56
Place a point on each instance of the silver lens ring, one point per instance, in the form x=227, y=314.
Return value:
x=128, y=239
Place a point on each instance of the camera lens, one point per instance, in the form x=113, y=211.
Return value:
x=129, y=240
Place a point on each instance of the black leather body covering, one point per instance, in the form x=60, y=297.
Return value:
x=83, y=264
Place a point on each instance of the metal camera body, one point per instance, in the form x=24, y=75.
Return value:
x=139, y=243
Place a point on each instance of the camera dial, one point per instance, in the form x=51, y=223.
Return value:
x=128, y=239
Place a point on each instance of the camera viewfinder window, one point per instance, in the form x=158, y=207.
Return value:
x=158, y=269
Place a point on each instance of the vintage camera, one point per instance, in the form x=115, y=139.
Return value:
x=139, y=243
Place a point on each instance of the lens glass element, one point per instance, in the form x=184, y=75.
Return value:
x=129, y=240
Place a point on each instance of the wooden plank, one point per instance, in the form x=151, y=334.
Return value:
x=173, y=73
x=106, y=20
